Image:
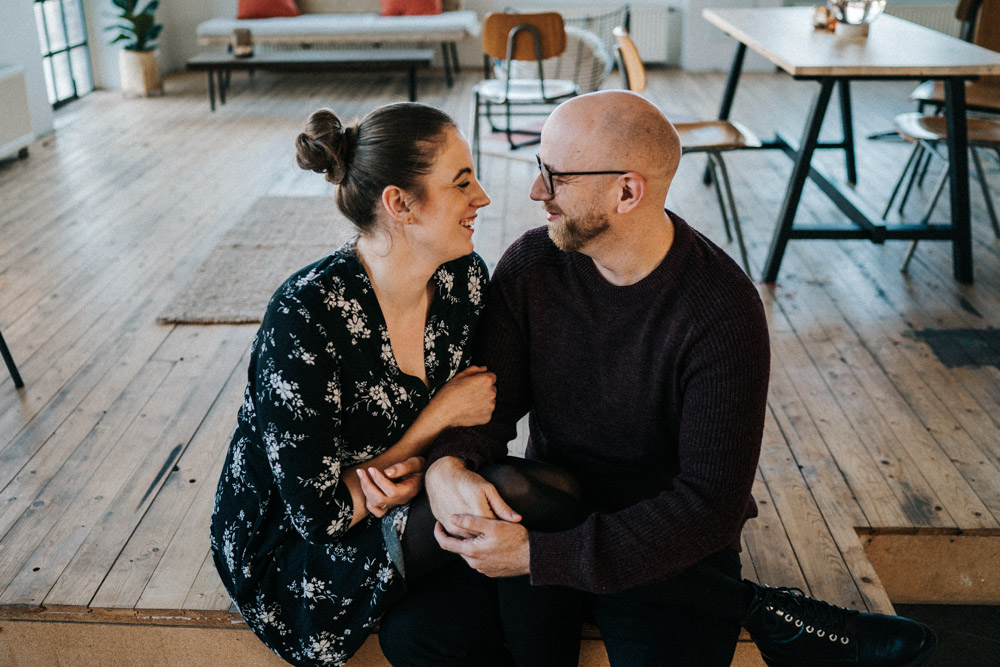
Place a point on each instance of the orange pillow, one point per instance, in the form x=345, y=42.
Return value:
x=410, y=7
x=266, y=9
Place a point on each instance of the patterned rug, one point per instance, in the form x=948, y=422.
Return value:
x=276, y=237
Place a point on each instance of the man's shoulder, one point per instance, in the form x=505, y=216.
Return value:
x=532, y=249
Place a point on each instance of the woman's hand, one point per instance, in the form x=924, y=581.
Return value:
x=394, y=486
x=467, y=399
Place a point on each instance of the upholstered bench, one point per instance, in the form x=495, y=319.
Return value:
x=351, y=23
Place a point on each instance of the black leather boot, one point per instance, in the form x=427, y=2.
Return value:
x=794, y=630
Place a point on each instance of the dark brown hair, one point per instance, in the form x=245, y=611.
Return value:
x=392, y=145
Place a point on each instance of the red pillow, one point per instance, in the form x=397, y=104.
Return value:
x=266, y=9
x=410, y=7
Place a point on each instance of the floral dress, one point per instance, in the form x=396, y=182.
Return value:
x=325, y=393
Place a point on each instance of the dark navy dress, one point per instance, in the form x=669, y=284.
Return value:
x=325, y=393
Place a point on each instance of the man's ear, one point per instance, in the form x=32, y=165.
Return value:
x=394, y=202
x=633, y=189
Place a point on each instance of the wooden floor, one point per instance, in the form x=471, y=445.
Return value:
x=875, y=451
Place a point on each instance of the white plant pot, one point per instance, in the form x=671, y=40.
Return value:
x=140, y=73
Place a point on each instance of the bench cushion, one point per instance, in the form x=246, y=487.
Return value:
x=345, y=28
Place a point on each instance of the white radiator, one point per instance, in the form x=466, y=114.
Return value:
x=15, y=119
x=937, y=17
x=655, y=27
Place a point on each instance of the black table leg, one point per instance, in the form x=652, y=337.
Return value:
x=447, y=64
x=211, y=89
x=221, y=76
x=727, y=96
x=847, y=123
x=18, y=382
x=783, y=230
x=413, y=83
x=958, y=164
x=456, y=66
x=732, y=81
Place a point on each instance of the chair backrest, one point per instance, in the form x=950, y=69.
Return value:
x=632, y=69
x=987, y=32
x=548, y=26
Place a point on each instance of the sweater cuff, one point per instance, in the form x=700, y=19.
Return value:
x=555, y=560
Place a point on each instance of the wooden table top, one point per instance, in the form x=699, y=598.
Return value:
x=893, y=48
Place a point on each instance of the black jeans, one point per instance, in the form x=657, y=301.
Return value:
x=454, y=618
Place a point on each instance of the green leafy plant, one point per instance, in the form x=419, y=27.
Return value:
x=137, y=29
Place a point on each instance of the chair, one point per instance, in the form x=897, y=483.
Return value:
x=5, y=352
x=590, y=43
x=711, y=137
x=981, y=26
x=509, y=37
x=927, y=132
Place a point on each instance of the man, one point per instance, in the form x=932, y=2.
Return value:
x=641, y=351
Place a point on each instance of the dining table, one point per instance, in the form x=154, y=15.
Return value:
x=893, y=49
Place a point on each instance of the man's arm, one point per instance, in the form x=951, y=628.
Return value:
x=453, y=486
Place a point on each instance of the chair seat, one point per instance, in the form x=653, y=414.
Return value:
x=715, y=135
x=915, y=126
x=524, y=91
x=980, y=95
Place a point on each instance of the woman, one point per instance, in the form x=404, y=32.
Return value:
x=357, y=366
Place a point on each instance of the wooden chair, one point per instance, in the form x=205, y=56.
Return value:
x=9, y=360
x=927, y=133
x=711, y=137
x=981, y=26
x=510, y=37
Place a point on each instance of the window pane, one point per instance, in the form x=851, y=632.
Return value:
x=43, y=39
x=64, y=77
x=74, y=22
x=48, y=83
x=54, y=23
x=79, y=58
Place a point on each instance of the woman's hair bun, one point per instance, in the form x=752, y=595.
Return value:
x=326, y=146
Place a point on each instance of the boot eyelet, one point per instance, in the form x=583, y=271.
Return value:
x=809, y=629
x=844, y=640
x=789, y=618
x=821, y=633
x=833, y=638
x=798, y=624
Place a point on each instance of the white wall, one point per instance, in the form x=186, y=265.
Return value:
x=19, y=46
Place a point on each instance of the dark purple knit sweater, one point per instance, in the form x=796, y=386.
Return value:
x=653, y=394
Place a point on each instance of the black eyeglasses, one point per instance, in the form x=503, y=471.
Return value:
x=547, y=174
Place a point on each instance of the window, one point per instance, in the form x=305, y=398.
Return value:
x=66, y=58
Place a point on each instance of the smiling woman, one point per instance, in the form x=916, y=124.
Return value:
x=360, y=362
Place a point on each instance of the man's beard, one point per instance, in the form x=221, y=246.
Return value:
x=571, y=234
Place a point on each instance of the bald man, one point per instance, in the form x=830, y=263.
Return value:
x=640, y=350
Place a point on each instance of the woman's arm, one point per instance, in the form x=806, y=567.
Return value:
x=466, y=400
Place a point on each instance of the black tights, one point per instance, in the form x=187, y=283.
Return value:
x=549, y=499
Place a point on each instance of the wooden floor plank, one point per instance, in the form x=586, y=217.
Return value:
x=171, y=541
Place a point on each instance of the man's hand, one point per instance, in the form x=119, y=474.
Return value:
x=454, y=490
x=498, y=548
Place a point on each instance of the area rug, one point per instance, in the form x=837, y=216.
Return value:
x=276, y=237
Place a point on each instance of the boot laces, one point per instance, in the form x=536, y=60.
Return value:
x=817, y=616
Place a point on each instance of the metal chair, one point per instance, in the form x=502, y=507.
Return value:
x=590, y=44
x=927, y=133
x=509, y=37
x=711, y=137
x=9, y=360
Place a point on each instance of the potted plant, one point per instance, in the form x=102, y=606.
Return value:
x=137, y=63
